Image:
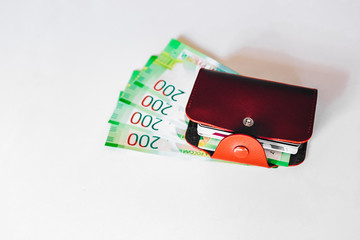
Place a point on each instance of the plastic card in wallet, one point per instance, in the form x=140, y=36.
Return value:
x=250, y=108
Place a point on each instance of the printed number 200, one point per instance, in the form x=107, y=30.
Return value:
x=167, y=90
x=145, y=121
x=148, y=101
x=142, y=141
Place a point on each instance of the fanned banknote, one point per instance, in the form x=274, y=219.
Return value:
x=150, y=112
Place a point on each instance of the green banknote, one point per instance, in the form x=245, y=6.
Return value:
x=145, y=122
x=138, y=98
x=145, y=100
x=134, y=75
x=164, y=84
x=128, y=137
x=132, y=115
x=172, y=74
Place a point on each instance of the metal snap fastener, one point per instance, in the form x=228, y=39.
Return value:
x=248, y=122
x=241, y=151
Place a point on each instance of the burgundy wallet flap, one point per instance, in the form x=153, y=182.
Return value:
x=279, y=111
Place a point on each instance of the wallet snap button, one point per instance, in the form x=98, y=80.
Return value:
x=248, y=121
x=241, y=151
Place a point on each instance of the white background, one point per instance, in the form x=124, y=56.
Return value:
x=62, y=66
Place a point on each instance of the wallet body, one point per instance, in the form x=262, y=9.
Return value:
x=279, y=112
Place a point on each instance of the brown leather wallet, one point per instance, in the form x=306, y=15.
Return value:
x=250, y=108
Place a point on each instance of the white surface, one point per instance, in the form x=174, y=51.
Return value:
x=62, y=65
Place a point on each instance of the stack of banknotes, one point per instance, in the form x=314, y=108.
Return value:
x=150, y=112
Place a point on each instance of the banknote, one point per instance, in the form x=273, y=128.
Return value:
x=134, y=75
x=132, y=115
x=128, y=137
x=141, y=98
x=172, y=74
x=164, y=84
x=145, y=120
